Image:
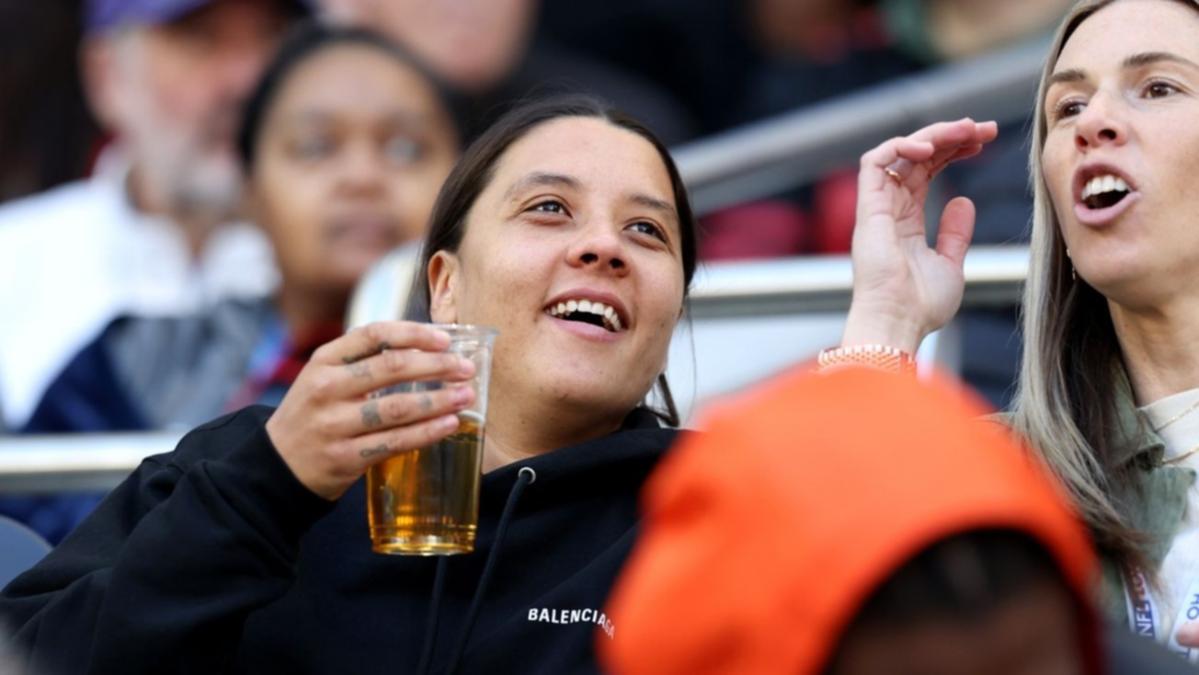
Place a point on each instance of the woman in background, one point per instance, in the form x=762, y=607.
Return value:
x=345, y=142
x=1109, y=386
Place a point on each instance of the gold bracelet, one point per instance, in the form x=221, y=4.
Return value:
x=880, y=357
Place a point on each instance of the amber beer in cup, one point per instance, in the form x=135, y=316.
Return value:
x=426, y=501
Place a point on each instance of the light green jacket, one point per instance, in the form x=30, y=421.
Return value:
x=1154, y=501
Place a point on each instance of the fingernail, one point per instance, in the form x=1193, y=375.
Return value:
x=448, y=422
x=461, y=395
x=466, y=366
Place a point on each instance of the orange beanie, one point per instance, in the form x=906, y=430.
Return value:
x=765, y=534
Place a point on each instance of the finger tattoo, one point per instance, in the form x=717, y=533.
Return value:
x=359, y=369
x=381, y=347
x=426, y=403
x=367, y=453
x=370, y=415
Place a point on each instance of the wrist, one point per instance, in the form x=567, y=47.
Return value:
x=867, y=325
x=880, y=357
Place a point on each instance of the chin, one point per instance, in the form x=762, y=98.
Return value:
x=1114, y=261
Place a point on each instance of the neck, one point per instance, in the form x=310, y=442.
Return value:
x=303, y=309
x=1159, y=348
x=521, y=431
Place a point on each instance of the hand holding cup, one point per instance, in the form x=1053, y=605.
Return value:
x=329, y=431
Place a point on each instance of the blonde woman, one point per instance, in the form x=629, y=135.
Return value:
x=1109, y=385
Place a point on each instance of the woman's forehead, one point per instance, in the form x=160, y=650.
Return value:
x=358, y=78
x=1108, y=38
x=591, y=153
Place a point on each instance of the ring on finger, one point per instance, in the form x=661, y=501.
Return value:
x=894, y=175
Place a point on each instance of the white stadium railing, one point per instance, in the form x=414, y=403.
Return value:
x=773, y=155
x=778, y=288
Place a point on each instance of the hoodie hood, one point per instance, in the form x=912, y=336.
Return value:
x=764, y=536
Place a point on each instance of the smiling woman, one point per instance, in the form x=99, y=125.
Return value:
x=567, y=227
x=1109, y=385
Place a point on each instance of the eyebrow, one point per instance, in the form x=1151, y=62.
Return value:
x=1134, y=61
x=542, y=180
x=1071, y=75
x=654, y=203
x=320, y=115
x=1149, y=58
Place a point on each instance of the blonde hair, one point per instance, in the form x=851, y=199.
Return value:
x=1072, y=366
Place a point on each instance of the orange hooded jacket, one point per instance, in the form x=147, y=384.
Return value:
x=764, y=535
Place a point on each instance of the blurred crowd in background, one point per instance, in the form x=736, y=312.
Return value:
x=689, y=68
x=177, y=233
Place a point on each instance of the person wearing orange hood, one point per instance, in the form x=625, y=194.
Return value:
x=858, y=522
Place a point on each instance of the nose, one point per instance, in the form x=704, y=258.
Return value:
x=360, y=171
x=599, y=247
x=1100, y=123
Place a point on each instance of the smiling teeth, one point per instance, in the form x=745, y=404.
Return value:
x=611, y=318
x=1101, y=184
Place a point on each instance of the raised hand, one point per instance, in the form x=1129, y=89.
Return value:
x=902, y=288
x=329, y=432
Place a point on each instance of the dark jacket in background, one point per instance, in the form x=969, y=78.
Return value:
x=155, y=373
x=214, y=558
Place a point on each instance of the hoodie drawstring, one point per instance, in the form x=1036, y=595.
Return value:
x=525, y=477
x=426, y=653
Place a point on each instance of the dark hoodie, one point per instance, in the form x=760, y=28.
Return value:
x=214, y=558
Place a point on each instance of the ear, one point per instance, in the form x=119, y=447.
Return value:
x=444, y=278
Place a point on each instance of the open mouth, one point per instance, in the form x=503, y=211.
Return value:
x=1104, y=191
x=587, y=311
x=370, y=229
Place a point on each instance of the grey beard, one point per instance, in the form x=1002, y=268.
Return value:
x=207, y=190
